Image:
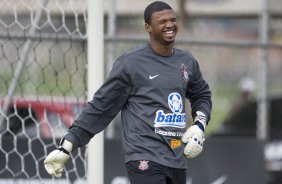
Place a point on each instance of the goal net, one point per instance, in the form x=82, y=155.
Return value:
x=42, y=85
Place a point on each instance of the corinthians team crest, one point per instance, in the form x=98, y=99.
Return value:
x=176, y=118
x=185, y=74
x=143, y=165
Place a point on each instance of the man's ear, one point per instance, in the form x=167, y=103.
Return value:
x=148, y=27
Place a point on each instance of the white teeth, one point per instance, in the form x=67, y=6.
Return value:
x=169, y=32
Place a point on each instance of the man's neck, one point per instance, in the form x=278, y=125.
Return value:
x=163, y=50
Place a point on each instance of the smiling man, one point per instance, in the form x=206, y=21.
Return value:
x=162, y=27
x=149, y=86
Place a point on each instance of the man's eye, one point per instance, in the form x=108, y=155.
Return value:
x=162, y=21
x=165, y=21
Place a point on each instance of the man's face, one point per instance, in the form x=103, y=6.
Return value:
x=163, y=27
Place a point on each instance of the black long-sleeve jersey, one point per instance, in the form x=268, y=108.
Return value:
x=150, y=92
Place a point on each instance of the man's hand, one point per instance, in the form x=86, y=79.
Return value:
x=194, y=136
x=55, y=161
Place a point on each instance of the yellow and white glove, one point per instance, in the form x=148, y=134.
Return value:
x=194, y=136
x=55, y=161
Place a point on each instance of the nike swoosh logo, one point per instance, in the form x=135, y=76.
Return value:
x=154, y=76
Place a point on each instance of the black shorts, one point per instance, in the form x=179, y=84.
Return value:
x=144, y=171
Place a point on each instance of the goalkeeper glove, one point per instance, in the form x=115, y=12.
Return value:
x=194, y=136
x=55, y=161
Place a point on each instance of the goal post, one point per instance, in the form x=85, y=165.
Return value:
x=95, y=36
x=47, y=75
x=43, y=85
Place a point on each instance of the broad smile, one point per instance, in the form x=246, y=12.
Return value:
x=169, y=33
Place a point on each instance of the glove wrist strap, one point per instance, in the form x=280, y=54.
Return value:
x=65, y=146
x=64, y=150
x=200, y=120
x=200, y=125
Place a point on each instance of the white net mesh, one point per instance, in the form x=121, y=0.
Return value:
x=42, y=85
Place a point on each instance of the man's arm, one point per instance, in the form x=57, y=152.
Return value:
x=199, y=94
x=94, y=118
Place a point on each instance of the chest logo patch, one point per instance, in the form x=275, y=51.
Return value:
x=185, y=74
x=154, y=76
x=175, y=102
x=176, y=118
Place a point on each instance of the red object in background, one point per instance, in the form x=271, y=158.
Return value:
x=46, y=118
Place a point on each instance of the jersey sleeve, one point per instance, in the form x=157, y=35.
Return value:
x=105, y=105
x=198, y=93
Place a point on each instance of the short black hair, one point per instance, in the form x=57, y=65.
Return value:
x=154, y=7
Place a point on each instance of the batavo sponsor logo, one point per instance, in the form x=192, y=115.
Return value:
x=169, y=120
x=174, y=119
x=175, y=143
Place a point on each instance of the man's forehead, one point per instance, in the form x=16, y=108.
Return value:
x=167, y=13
